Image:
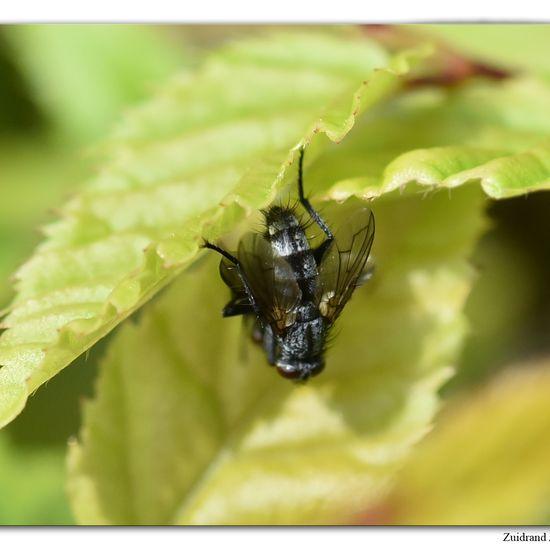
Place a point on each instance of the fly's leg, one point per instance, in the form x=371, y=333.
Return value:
x=234, y=308
x=242, y=276
x=270, y=345
x=323, y=247
x=264, y=336
x=307, y=205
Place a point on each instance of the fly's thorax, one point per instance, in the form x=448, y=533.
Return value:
x=278, y=218
x=285, y=232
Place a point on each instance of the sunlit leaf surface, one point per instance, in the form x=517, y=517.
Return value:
x=191, y=426
x=227, y=133
x=487, y=463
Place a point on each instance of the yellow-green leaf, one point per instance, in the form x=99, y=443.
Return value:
x=225, y=135
x=190, y=425
x=487, y=463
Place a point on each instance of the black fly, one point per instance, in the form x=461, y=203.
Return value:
x=293, y=291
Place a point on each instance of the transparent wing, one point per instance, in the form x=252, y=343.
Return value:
x=239, y=304
x=230, y=276
x=343, y=264
x=271, y=281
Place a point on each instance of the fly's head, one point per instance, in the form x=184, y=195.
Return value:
x=300, y=370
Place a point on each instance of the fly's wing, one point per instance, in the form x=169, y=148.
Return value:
x=240, y=303
x=343, y=264
x=230, y=275
x=271, y=281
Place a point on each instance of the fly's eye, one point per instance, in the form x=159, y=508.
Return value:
x=288, y=371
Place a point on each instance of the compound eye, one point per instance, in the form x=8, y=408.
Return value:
x=288, y=371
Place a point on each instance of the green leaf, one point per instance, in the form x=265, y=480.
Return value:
x=31, y=485
x=189, y=427
x=488, y=461
x=239, y=445
x=208, y=150
x=495, y=134
x=516, y=47
x=227, y=135
x=36, y=175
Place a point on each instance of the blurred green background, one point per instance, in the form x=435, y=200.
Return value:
x=65, y=86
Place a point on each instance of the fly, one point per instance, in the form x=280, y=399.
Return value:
x=293, y=291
